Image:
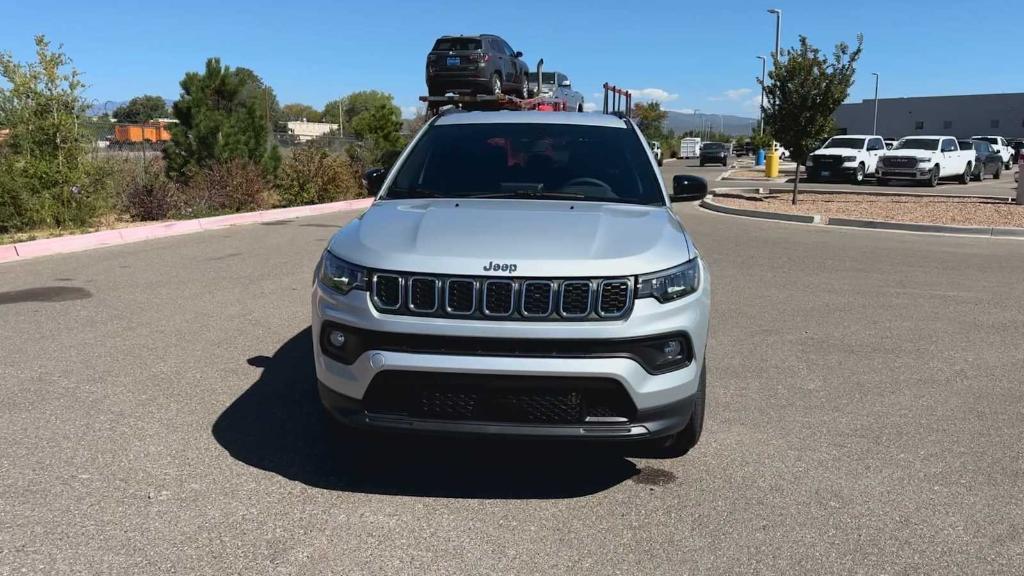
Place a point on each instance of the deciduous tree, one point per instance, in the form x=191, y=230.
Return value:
x=804, y=89
x=141, y=109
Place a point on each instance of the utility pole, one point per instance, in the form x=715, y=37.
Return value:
x=339, y=120
x=874, y=125
x=778, y=30
x=760, y=110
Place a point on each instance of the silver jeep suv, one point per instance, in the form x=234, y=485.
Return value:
x=519, y=274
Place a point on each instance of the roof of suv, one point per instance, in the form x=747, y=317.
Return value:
x=531, y=117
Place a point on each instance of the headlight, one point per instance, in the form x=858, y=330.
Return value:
x=341, y=276
x=849, y=159
x=670, y=284
x=924, y=160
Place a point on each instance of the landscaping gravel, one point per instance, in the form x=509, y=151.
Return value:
x=925, y=210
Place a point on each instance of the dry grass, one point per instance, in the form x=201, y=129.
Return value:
x=892, y=208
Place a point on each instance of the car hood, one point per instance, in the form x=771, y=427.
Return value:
x=540, y=237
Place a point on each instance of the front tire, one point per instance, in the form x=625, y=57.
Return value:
x=999, y=173
x=683, y=441
x=858, y=174
x=965, y=178
x=933, y=178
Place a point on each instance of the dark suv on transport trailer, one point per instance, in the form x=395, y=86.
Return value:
x=483, y=64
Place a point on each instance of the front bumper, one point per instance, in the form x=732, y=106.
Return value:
x=827, y=172
x=662, y=401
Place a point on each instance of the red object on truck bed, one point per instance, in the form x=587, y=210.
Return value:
x=492, y=102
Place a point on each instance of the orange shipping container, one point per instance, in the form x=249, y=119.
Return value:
x=135, y=133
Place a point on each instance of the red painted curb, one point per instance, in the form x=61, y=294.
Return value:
x=78, y=242
x=8, y=253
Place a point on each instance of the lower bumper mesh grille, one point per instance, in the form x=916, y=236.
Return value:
x=496, y=398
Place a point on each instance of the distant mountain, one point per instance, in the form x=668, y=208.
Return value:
x=734, y=125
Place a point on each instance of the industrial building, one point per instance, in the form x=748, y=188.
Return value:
x=964, y=116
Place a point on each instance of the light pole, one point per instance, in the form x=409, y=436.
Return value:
x=874, y=125
x=760, y=110
x=778, y=29
x=700, y=132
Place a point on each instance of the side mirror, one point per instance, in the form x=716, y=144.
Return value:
x=518, y=54
x=373, y=179
x=687, y=188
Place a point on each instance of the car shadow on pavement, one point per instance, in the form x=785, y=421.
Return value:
x=278, y=425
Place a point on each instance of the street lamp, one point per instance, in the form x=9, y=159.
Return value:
x=874, y=125
x=760, y=111
x=778, y=29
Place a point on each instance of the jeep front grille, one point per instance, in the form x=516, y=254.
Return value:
x=423, y=294
x=502, y=298
x=499, y=297
x=387, y=291
x=575, y=302
x=614, y=297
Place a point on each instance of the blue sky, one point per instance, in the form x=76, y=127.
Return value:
x=687, y=54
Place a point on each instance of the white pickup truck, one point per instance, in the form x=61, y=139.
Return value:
x=926, y=159
x=1000, y=145
x=850, y=157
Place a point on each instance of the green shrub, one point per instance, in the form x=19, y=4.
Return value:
x=315, y=176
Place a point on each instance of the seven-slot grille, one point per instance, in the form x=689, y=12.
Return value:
x=502, y=298
x=899, y=162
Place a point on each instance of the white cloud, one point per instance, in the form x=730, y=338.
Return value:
x=655, y=94
x=589, y=107
x=681, y=110
x=410, y=111
x=754, y=102
x=734, y=95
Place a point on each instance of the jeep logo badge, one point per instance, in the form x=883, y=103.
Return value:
x=495, y=267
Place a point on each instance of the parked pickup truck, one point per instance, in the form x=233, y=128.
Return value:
x=1001, y=146
x=926, y=159
x=850, y=157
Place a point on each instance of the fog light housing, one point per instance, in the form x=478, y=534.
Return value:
x=672, y=349
x=336, y=338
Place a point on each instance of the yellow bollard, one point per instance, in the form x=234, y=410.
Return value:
x=771, y=165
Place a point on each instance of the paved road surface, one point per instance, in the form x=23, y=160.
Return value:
x=159, y=416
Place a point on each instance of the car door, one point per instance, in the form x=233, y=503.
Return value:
x=952, y=160
x=514, y=68
x=875, y=148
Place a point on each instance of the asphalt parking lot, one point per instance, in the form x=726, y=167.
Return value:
x=159, y=415
x=1003, y=187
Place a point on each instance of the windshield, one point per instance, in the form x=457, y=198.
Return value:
x=856, y=143
x=988, y=139
x=712, y=146
x=536, y=161
x=917, y=144
x=549, y=77
x=457, y=44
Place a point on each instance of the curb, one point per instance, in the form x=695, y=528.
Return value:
x=728, y=176
x=881, y=193
x=933, y=228
x=78, y=242
x=785, y=217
